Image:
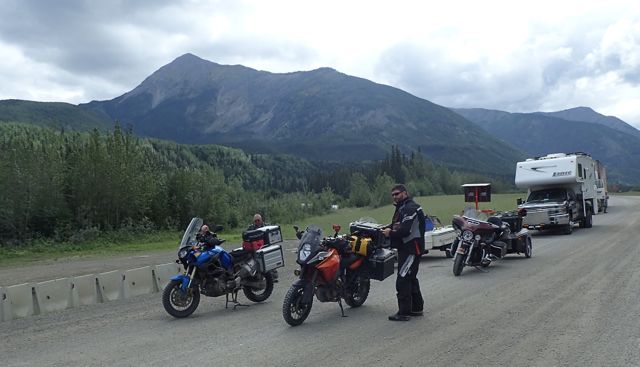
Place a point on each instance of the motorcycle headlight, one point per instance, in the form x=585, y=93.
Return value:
x=183, y=253
x=304, y=252
x=467, y=235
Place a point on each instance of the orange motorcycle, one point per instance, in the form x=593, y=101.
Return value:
x=334, y=268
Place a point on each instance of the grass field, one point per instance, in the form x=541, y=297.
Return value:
x=442, y=206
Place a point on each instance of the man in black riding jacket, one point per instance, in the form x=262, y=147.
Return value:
x=407, y=235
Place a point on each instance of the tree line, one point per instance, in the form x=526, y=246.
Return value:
x=68, y=186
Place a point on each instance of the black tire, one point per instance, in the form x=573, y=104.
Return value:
x=568, y=229
x=451, y=251
x=458, y=264
x=528, y=248
x=177, y=303
x=293, y=311
x=588, y=221
x=358, y=291
x=255, y=295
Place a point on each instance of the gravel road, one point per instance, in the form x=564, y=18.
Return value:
x=576, y=302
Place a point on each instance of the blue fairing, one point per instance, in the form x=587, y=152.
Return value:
x=225, y=259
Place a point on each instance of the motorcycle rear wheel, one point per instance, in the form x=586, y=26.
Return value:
x=293, y=311
x=255, y=296
x=458, y=264
x=358, y=291
x=177, y=303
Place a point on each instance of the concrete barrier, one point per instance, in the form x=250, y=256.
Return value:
x=162, y=273
x=137, y=282
x=110, y=286
x=3, y=309
x=85, y=290
x=53, y=295
x=20, y=301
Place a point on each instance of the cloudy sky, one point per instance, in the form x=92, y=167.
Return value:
x=508, y=55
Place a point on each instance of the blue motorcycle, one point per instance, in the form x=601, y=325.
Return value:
x=213, y=272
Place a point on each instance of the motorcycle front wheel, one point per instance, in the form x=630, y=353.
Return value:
x=358, y=291
x=259, y=295
x=293, y=310
x=178, y=303
x=458, y=264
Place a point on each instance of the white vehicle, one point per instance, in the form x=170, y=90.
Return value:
x=440, y=237
x=562, y=189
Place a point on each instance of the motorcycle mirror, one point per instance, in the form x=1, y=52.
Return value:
x=296, y=228
x=218, y=228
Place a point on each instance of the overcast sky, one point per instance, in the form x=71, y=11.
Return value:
x=509, y=55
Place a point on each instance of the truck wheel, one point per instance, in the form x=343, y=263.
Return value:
x=528, y=249
x=588, y=221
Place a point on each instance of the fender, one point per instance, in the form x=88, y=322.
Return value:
x=307, y=293
x=183, y=278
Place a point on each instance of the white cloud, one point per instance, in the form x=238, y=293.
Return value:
x=544, y=55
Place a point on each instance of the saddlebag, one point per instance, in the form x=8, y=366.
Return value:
x=369, y=230
x=382, y=264
x=270, y=258
x=361, y=245
x=255, y=239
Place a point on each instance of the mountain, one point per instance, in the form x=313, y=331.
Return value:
x=55, y=115
x=586, y=114
x=319, y=115
x=539, y=134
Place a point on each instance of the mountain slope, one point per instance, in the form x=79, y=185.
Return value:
x=586, y=114
x=539, y=134
x=319, y=115
x=52, y=114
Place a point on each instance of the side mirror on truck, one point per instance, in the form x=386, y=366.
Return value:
x=519, y=201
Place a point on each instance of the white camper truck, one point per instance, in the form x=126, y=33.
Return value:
x=561, y=191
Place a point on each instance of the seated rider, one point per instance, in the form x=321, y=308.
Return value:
x=207, y=237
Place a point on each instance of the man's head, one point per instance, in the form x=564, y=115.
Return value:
x=204, y=229
x=399, y=193
x=257, y=220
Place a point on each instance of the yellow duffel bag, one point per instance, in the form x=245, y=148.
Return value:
x=361, y=245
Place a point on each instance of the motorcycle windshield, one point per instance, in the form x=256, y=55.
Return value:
x=189, y=236
x=313, y=237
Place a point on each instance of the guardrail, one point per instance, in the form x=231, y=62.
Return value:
x=28, y=299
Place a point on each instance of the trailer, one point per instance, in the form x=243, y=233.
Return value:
x=561, y=189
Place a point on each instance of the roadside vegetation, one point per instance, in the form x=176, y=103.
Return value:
x=122, y=242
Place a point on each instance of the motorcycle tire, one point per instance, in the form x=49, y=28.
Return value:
x=458, y=264
x=254, y=295
x=528, y=248
x=358, y=291
x=293, y=311
x=177, y=303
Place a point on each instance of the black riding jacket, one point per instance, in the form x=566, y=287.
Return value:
x=407, y=227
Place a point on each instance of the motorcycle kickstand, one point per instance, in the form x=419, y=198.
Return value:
x=481, y=269
x=341, y=308
x=234, y=300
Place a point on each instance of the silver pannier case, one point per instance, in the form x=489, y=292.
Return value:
x=270, y=257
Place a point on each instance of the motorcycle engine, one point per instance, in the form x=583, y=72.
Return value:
x=214, y=287
x=326, y=294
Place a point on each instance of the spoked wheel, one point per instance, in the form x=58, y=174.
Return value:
x=293, y=310
x=528, y=248
x=259, y=295
x=458, y=264
x=178, y=303
x=357, y=291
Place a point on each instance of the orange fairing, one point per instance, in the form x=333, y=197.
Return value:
x=329, y=266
